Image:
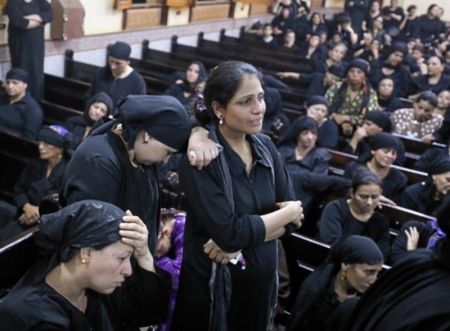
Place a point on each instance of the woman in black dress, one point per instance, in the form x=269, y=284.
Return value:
x=98, y=107
x=358, y=214
x=185, y=89
x=236, y=208
x=352, y=266
x=95, y=273
x=27, y=19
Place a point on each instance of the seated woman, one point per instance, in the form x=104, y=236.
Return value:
x=352, y=266
x=300, y=155
x=383, y=153
x=83, y=280
x=350, y=100
x=414, y=235
x=19, y=112
x=317, y=108
x=40, y=178
x=118, y=79
x=435, y=80
x=99, y=106
x=357, y=215
x=387, y=100
x=185, y=89
x=426, y=197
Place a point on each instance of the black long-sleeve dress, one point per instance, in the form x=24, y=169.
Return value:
x=209, y=215
x=337, y=221
x=26, y=46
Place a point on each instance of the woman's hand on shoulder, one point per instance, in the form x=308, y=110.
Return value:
x=134, y=233
x=201, y=149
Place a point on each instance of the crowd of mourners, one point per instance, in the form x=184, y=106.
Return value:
x=249, y=176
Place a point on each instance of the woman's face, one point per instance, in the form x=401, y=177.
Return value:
x=443, y=99
x=148, y=150
x=375, y=6
x=434, y=66
x=314, y=41
x=386, y=87
x=371, y=128
x=367, y=197
x=442, y=182
x=107, y=268
x=318, y=112
x=384, y=157
x=117, y=66
x=423, y=110
x=356, y=76
x=48, y=151
x=15, y=88
x=97, y=110
x=192, y=73
x=244, y=112
x=417, y=54
x=337, y=53
x=315, y=19
x=289, y=39
x=360, y=276
x=307, y=139
x=378, y=23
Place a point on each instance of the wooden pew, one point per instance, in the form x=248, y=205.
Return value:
x=17, y=255
x=398, y=216
x=339, y=160
x=415, y=148
x=65, y=91
x=57, y=114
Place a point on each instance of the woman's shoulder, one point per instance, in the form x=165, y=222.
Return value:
x=28, y=306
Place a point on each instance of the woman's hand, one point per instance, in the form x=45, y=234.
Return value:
x=134, y=233
x=216, y=254
x=201, y=149
x=30, y=214
x=296, y=210
x=412, y=236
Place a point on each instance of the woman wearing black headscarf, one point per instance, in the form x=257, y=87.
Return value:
x=41, y=177
x=352, y=266
x=83, y=280
x=383, y=153
x=185, y=90
x=413, y=295
x=116, y=163
x=426, y=197
x=99, y=106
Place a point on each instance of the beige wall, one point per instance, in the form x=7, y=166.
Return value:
x=101, y=17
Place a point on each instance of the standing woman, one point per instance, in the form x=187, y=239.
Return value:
x=236, y=208
x=27, y=19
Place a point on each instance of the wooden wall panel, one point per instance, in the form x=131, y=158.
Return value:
x=210, y=12
x=256, y=10
x=141, y=18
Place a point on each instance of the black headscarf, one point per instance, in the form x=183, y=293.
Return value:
x=350, y=250
x=300, y=124
x=98, y=97
x=86, y=223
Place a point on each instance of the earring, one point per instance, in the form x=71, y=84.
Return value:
x=220, y=120
x=83, y=261
x=343, y=276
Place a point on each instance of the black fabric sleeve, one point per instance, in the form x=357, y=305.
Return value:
x=330, y=224
x=15, y=15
